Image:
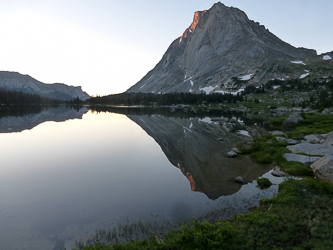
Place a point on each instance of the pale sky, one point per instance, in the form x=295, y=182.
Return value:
x=106, y=46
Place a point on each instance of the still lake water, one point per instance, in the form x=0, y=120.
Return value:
x=66, y=173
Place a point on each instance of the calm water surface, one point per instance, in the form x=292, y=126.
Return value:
x=65, y=173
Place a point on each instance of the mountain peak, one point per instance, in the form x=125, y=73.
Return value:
x=196, y=19
x=15, y=81
x=219, y=45
x=218, y=9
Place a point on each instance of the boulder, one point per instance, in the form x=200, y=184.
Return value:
x=296, y=109
x=314, y=138
x=292, y=121
x=306, y=110
x=311, y=149
x=305, y=159
x=239, y=180
x=323, y=169
x=281, y=109
x=328, y=139
x=326, y=111
x=280, y=139
x=289, y=141
x=276, y=132
x=232, y=154
x=292, y=142
x=277, y=172
x=237, y=151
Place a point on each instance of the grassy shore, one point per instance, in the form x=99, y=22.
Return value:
x=299, y=217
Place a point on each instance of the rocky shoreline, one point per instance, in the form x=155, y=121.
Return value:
x=313, y=150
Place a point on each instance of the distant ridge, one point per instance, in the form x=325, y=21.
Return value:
x=220, y=45
x=25, y=83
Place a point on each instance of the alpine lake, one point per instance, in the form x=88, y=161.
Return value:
x=69, y=173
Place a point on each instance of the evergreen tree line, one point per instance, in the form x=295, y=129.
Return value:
x=165, y=99
x=319, y=97
x=8, y=97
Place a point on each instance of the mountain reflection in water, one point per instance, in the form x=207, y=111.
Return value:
x=197, y=145
x=194, y=147
x=19, y=118
x=192, y=142
x=62, y=181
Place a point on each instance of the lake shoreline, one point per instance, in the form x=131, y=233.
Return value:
x=264, y=223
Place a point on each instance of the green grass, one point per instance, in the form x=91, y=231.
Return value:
x=312, y=124
x=296, y=168
x=277, y=122
x=267, y=149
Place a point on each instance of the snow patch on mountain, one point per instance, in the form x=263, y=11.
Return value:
x=207, y=89
x=206, y=120
x=327, y=57
x=298, y=62
x=304, y=75
x=244, y=132
x=245, y=78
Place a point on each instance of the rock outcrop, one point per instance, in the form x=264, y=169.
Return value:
x=305, y=159
x=323, y=169
x=220, y=49
x=319, y=150
x=277, y=172
x=313, y=138
x=17, y=82
x=289, y=141
x=311, y=149
x=328, y=139
x=292, y=121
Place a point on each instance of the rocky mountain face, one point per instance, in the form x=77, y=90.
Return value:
x=193, y=146
x=220, y=46
x=24, y=83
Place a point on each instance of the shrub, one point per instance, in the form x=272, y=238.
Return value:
x=201, y=235
x=264, y=182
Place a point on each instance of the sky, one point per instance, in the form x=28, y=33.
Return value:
x=106, y=46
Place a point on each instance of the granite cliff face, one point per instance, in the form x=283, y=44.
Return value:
x=24, y=83
x=192, y=145
x=221, y=43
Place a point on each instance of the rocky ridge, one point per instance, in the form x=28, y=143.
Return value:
x=17, y=82
x=222, y=48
